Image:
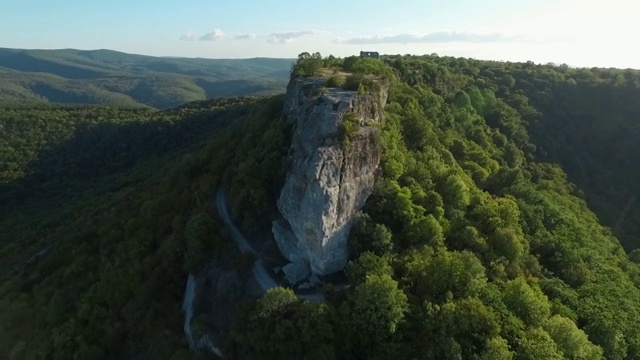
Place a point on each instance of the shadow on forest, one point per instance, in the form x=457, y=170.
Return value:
x=95, y=152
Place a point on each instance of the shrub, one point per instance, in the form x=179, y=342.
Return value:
x=361, y=83
x=352, y=82
x=348, y=128
x=335, y=81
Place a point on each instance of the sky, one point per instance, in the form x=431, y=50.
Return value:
x=581, y=33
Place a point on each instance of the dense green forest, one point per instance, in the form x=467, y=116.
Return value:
x=492, y=232
x=126, y=80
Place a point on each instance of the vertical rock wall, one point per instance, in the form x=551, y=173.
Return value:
x=329, y=180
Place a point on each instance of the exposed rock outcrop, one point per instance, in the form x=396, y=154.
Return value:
x=329, y=179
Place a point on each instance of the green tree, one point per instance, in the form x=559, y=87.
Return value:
x=424, y=230
x=307, y=64
x=373, y=313
x=367, y=264
x=497, y=349
x=572, y=341
x=441, y=274
x=200, y=236
x=527, y=302
x=537, y=344
x=455, y=192
x=369, y=236
x=280, y=326
x=474, y=325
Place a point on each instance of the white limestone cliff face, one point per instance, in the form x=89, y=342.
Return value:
x=328, y=180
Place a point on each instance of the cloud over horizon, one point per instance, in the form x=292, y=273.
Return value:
x=274, y=38
x=286, y=37
x=434, y=37
x=215, y=35
x=247, y=36
x=188, y=36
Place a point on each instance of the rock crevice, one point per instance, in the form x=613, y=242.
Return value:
x=329, y=179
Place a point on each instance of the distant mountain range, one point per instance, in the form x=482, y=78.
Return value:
x=115, y=78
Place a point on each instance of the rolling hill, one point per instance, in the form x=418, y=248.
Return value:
x=118, y=79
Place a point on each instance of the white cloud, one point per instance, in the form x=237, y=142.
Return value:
x=215, y=35
x=248, y=36
x=285, y=37
x=434, y=37
x=188, y=36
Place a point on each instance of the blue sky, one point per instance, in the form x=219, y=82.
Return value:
x=576, y=32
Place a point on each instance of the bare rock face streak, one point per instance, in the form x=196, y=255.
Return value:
x=329, y=178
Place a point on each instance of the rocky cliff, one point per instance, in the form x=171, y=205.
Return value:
x=330, y=177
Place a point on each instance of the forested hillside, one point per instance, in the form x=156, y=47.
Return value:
x=104, y=212
x=492, y=232
x=118, y=79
